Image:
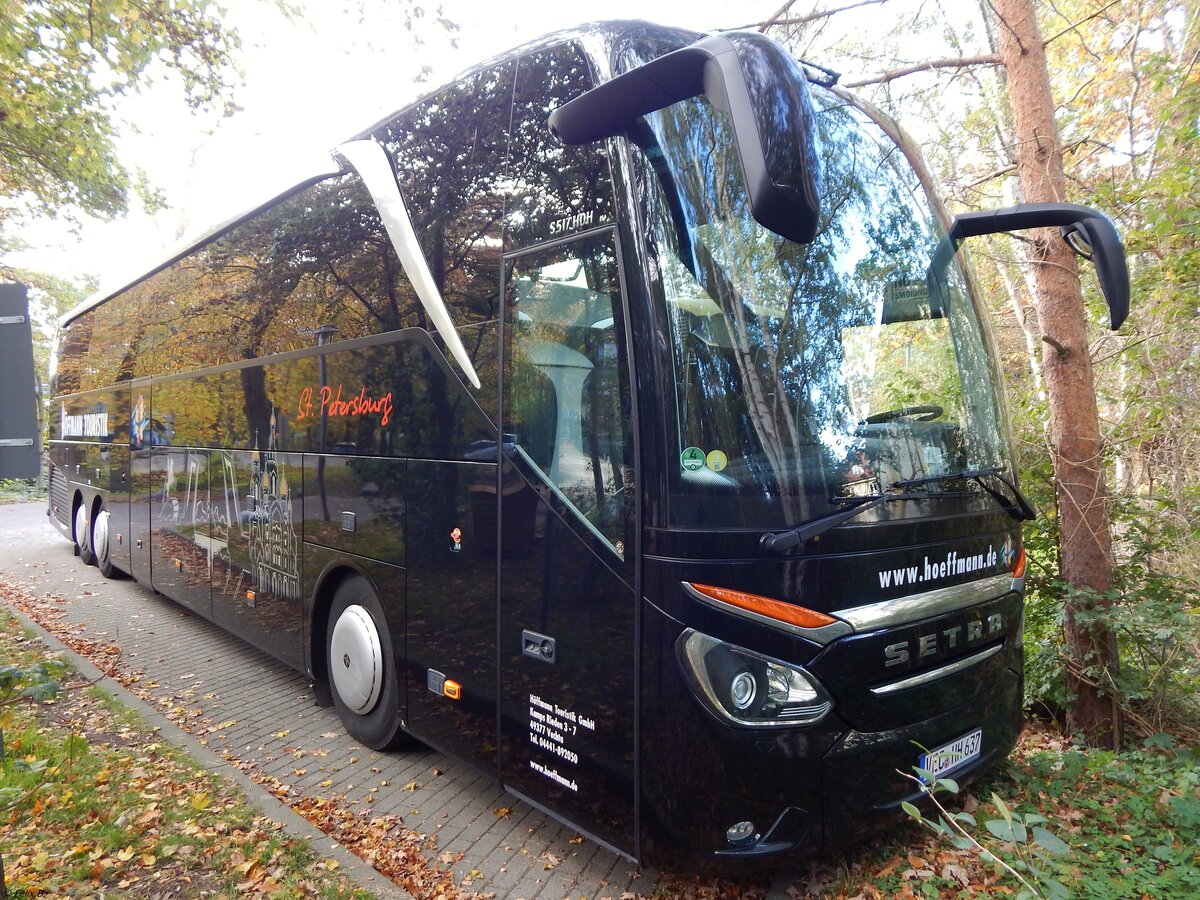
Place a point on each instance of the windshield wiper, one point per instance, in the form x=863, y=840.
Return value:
x=785, y=540
x=1017, y=506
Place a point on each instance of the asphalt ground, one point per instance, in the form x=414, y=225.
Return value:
x=244, y=713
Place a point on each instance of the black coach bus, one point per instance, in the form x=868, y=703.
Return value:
x=620, y=419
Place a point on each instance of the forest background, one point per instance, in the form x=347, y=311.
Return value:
x=1125, y=80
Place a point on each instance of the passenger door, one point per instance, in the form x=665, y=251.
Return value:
x=567, y=606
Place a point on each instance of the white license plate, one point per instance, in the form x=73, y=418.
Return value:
x=952, y=755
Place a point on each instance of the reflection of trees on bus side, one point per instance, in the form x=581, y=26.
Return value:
x=322, y=258
x=549, y=180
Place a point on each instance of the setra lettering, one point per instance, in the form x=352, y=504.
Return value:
x=938, y=643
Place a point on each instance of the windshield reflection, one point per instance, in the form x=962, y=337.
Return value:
x=808, y=373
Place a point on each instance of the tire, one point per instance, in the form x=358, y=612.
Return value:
x=83, y=536
x=101, y=548
x=362, y=667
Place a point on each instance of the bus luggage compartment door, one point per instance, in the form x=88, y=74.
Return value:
x=180, y=538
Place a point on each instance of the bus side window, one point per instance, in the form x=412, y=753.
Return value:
x=71, y=374
x=450, y=157
x=556, y=189
x=118, y=319
x=266, y=286
x=317, y=260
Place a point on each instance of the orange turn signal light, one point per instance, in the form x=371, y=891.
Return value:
x=1019, y=565
x=765, y=606
x=452, y=689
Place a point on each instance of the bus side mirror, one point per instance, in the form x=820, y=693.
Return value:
x=1088, y=232
x=765, y=92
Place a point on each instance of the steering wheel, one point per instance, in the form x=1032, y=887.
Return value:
x=916, y=413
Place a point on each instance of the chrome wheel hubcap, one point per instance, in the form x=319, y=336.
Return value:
x=356, y=660
x=100, y=535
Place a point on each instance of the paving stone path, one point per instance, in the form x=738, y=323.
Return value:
x=261, y=715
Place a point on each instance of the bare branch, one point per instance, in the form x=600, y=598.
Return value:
x=775, y=17
x=1071, y=28
x=1056, y=344
x=983, y=179
x=814, y=16
x=999, y=18
x=959, y=62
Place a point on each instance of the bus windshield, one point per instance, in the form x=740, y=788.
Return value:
x=805, y=374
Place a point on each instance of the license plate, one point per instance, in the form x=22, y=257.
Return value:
x=952, y=755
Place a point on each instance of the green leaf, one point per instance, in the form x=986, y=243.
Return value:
x=46, y=690
x=1049, y=842
x=1001, y=830
x=912, y=810
x=1002, y=808
x=1055, y=890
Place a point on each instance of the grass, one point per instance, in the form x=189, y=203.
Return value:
x=1130, y=822
x=19, y=490
x=92, y=801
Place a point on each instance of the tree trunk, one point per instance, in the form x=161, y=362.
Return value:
x=1085, y=545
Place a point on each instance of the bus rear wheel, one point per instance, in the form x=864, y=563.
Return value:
x=362, y=669
x=83, y=536
x=101, y=537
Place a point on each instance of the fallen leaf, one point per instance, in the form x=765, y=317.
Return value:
x=952, y=872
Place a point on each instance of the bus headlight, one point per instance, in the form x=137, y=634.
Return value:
x=743, y=690
x=747, y=688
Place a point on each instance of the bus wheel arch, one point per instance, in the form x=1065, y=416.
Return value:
x=354, y=645
x=81, y=530
x=323, y=594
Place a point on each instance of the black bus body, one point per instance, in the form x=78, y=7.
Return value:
x=655, y=464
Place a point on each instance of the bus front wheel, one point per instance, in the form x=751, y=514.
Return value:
x=362, y=668
x=83, y=536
